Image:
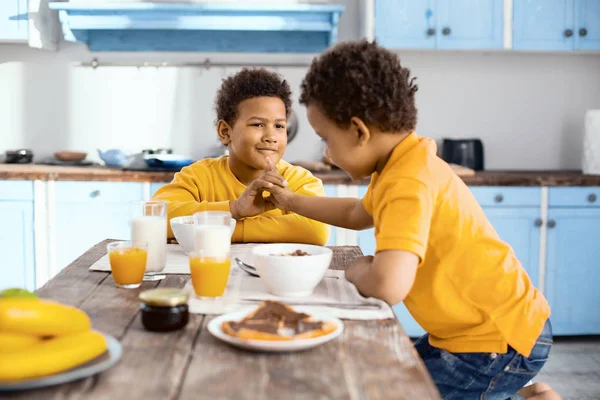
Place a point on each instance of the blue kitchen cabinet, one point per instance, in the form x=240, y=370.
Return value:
x=16, y=236
x=405, y=24
x=573, y=260
x=520, y=228
x=366, y=241
x=544, y=25
x=13, y=20
x=331, y=191
x=587, y=27
x=470, y=24
x=573, y=270
x=89, y=212
x=442, y=24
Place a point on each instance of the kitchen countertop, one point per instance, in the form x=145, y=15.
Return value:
x=483, y=178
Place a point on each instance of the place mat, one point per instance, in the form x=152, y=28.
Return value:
x=177, y=261
x=333, y=288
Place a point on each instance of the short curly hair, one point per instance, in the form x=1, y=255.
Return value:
x=362, y=79
x=246, y=84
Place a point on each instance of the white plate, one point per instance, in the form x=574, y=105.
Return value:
x=101, y=363
x=214, y=327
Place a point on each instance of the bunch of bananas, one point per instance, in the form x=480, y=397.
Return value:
x=42, y=337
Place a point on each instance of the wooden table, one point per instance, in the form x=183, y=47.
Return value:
x=371, y=360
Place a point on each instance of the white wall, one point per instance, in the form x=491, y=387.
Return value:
x=527, y=108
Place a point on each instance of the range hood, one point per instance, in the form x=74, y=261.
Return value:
x=232, y=26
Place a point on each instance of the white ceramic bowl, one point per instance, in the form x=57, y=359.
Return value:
x=183, y=229
x=290, y=276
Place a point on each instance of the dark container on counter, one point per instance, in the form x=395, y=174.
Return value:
x=164, y=310
x=21, y=156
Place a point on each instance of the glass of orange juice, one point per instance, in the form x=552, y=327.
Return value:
x=127, y=263
x=209, y=274
x=210, y=261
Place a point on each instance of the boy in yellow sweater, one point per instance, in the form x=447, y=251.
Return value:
x=488, y=327
x=252, y=108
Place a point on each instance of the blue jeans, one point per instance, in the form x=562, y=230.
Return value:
x=484, y=375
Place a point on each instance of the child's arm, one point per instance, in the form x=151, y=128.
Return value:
x=388, y=276
x=289, y=227
x=346, y=213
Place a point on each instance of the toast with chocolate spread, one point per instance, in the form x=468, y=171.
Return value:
x=273, y=320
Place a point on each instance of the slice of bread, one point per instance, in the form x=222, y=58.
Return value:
x=276, y=321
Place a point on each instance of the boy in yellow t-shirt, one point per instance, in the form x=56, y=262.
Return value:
x=488, y=327
x=252, y=109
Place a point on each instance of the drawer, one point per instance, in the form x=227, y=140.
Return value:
x=501, y=196
x=98, y=192
x=574, y=196
x=16, y=190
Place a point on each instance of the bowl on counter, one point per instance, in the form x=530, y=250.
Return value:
x=167, y=161
x=289, y=275
x=70, y=156
x=183, y=229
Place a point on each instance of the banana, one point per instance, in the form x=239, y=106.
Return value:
x=41, y=317
x=52, y=356
x=13, y=342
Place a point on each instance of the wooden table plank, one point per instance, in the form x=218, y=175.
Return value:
x=372, y=359
x=220, y=371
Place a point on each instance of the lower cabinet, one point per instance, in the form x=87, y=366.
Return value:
x=16, y=236
x=89, y=212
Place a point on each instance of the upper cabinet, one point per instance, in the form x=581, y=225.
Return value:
x=556, y=25
x=587, y=28
x=470, y=24
x=543, y=25
x=232, y=26
x=13, y=20
x=439, y=24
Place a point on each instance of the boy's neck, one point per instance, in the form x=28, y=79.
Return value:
x=244, y=173
x=384, y=147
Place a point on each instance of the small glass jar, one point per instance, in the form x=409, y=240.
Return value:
x=164, y=310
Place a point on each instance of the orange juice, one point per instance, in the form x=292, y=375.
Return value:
x=128, y=265
x=209, y=276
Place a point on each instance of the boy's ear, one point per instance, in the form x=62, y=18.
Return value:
x=363, y=133
x=224, y=132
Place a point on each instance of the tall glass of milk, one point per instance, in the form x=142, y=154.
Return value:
x=149, y=225
x=210, y=262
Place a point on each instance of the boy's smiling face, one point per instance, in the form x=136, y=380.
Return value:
x=259, y=131
x=348, y=148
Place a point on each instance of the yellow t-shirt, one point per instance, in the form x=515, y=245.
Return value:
x=209, y=185
x=470, y=292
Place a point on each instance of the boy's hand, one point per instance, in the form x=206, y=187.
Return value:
x=358, y=268
x=252, y=202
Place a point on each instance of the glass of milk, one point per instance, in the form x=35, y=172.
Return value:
x=210, y=261
x=149, y=225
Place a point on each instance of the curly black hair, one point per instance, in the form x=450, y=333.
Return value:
x=362, y=79
x=246, y=84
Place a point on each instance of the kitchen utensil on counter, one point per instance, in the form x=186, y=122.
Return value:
x=168, y=161
x=55, y=161
x=465, y=152
x=591, y=143
x=20, y=156
x=115, y=157
x=70, y=156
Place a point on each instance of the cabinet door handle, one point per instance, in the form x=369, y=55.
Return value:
x=446, y=31
x=583, y=32
x=95, y=194
x=592, y=198
x=551, y=223
x=499, y=198
x=538, y=222
x=430, y=32
x=568, y=33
